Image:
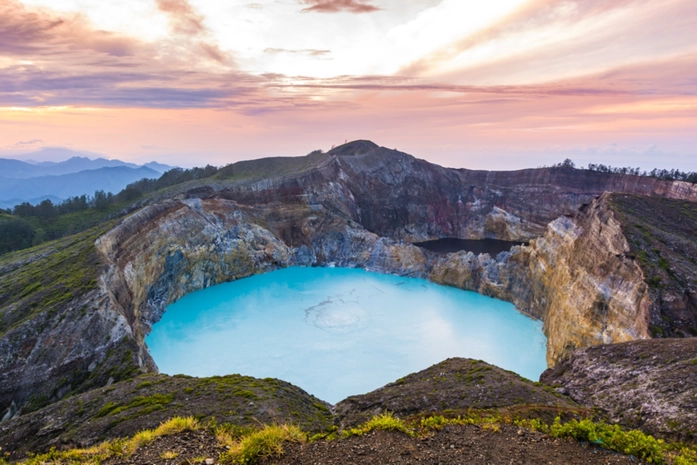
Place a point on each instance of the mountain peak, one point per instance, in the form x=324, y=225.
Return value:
x=353, y=148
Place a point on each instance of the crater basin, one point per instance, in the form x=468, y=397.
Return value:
x=337, y=332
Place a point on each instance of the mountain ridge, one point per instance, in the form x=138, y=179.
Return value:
x=108, y=179
x=18, y=169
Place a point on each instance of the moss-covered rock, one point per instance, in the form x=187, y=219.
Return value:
x=452, y=386
x=124, y=408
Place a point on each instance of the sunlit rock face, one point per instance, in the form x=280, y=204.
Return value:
x=357, y=206
x=578, y=278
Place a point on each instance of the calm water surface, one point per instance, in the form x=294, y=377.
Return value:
x=448, y=245
x=337, y=332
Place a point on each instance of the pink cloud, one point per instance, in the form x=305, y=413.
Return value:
x=27, y=32
x=187, y=22
x=183, y=18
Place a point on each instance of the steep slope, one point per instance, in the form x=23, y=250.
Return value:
x=661, y=235
x=579, y=278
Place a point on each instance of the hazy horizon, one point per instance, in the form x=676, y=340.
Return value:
x=58, y=154
x=503, y=85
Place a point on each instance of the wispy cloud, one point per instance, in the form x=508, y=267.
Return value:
x=548, y=40
x=61, y=60
x=26, y=144
x=308, y=52
x=30, y=33
x=338, y=6
x=183, y=18
x=186, y=21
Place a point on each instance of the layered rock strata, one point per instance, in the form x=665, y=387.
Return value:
x=579, y=278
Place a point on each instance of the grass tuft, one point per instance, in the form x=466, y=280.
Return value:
x=247, y=446
x=267, y=442
x=386, y=422
x=116, y=448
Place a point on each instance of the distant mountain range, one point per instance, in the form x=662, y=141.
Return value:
x=33, y=182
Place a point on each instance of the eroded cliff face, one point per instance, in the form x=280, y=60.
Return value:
x=356, y=208
x=579, y=278
x=591, y=290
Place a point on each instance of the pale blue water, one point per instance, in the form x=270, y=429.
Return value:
x=337, y=332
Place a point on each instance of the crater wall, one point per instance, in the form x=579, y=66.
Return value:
x=356, y=207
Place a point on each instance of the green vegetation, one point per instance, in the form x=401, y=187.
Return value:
x=28, y=225
x=15, y=234
x=151, y=404
x=248, y=445
x=266, y=442
x=385, y=422
x=118, y=448
x=668, y=175
x=251, y=170
x=45, y=278
x=660, y=233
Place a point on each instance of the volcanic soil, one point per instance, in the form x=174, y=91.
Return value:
x=452, y=445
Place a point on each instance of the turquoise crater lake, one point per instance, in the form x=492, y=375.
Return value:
x=337, y=332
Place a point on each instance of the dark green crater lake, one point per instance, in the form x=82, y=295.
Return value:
x=449, y=245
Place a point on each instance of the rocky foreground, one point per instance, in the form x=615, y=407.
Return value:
x=458, y=411
x=455, y=388
x=651, y=385
x=123, y=409
x=454, y=445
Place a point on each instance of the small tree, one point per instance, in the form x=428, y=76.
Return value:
x=568, y=164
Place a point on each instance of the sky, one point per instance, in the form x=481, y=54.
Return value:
x=495, y=84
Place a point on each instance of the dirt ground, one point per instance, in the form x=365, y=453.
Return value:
x=451, y=446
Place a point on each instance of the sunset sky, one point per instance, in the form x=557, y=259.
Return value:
x=494, y=84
